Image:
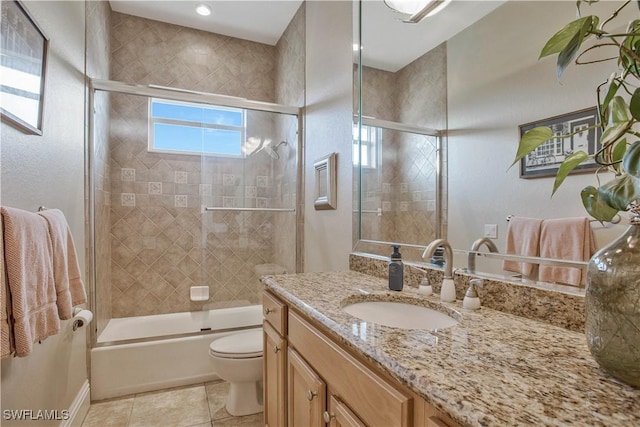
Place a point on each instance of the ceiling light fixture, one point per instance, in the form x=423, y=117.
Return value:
x=203, y=10
x=416, y=9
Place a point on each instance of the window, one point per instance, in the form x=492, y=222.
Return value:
x=371, y=137
x=189, y=128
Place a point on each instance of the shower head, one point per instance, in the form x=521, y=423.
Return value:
x=273, y=151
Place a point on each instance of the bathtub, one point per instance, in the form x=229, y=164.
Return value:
x=138, y=354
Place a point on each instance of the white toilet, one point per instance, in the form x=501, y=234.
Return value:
x=237, y=359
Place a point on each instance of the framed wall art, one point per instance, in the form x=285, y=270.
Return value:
x=23, y=59
x=326, y=187
x=546, y=159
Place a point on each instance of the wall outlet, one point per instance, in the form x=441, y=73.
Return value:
x=491, y=231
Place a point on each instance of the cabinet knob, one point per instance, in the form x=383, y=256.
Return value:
x=327, y=417
x=311, y=395
x=276, y=349
x=268, y=310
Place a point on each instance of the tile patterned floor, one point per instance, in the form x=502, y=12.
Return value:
x=200, y=405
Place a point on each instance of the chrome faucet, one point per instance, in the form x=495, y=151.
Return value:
x=448, y=255
x=471, y=260
x=448, y=288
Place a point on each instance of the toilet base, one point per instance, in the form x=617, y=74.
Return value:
x=244, y=398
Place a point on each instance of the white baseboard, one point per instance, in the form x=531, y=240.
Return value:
x=79, y=407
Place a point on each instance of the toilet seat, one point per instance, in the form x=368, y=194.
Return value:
x=241, y=345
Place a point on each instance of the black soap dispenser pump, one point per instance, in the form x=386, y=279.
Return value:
x=396, y=270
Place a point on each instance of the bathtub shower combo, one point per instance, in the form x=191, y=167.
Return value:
x=193, y=198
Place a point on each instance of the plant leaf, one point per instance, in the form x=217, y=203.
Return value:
x=569, y=164
x=619, y=111
x=531, y=140
x=619, y=192
x=613, y=132
x=619, y=150
x=629, y=49
x=634, y=104
x=568, y=40
x=595, y=206
x=631, y=160
x=565, y=36
x=611, y=92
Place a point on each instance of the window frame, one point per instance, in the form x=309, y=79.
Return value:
x=373, y=147
x=152, y=121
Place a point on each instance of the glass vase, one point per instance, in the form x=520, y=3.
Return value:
x=612, y=304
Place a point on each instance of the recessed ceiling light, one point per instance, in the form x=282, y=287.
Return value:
x=203, y=9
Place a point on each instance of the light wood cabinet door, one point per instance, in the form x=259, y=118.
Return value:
x=339, y=415
x=274, y=377
x=307, y=393
x=375, y=400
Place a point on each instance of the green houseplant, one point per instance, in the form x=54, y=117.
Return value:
x=612, y=298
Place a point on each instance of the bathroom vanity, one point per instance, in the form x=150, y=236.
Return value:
x=323, y=365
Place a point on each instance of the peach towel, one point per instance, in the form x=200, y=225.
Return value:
x=523, y=238
x=28, y=258
x=565, y=238
x=6, y=337
x=66, y=272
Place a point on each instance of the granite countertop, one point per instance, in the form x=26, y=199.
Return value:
x=492, y=368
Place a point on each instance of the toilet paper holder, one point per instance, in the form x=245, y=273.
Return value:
x=81, y=317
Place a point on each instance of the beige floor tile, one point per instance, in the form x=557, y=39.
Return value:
x=248, y=421
x=217, y=396
x=176, y=407
x=111, y=413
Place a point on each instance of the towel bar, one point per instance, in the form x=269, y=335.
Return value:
x=616, y=219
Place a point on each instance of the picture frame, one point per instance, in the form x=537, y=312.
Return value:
x=326, y=185
x=545, y=160
x=23, y=56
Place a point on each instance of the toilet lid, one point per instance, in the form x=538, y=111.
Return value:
x=240, y=345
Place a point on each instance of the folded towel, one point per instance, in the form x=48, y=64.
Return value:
x=6, y=337
x=66, y=272
x=28, y=258
x=565, y=238
x=523, y=238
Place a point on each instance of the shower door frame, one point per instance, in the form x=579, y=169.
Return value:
x=175, y=94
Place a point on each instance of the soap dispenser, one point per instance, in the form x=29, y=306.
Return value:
x=471, y=299
x=396, y=270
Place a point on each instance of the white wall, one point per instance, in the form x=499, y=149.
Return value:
x=495, y=83
x=49, y=170
x=328, y=128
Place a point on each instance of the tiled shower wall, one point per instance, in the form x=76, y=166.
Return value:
x=158, y=248
x=289, y=88
x=404, y=185
x=98, y=20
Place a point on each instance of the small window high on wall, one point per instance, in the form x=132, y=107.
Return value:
x=367, y=150
x=191, y=128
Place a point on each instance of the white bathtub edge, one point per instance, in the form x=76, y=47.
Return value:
x=150, y=386
x=127, y=369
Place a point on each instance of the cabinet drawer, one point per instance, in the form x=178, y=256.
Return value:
x=274, y=312
x=372, y=399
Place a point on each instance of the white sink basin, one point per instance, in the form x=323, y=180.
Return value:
x=400, y=315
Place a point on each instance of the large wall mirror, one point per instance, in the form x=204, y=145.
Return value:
x=462, y=82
